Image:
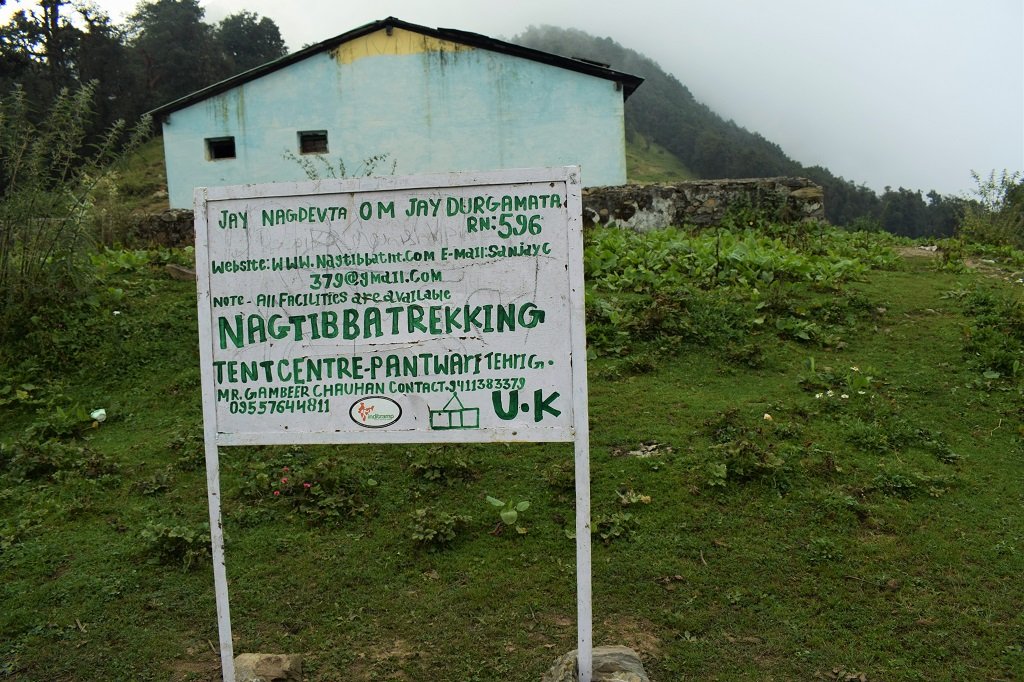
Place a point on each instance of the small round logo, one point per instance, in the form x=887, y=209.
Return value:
x=375, y=412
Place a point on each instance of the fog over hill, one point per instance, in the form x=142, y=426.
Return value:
x=664, y=111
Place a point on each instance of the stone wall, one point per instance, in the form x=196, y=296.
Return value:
x=702, y=202
x=638, y=207
x=173, y=227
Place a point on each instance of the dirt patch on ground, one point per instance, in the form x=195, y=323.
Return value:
x=636, y=633
x=991, y=268
x=198, y=667
x=918, y=251
x=386, y=662
x=985, y=266
x=559, y=620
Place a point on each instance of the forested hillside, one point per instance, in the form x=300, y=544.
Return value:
x=664, y=111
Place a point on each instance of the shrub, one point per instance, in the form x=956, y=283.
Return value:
x=821, y=550
x=188, y=444
x=30, y=460
x=177, y=544
x=995, y=212
x=435, y=530
x=615, y=526
x=437, y=466
x=325, y=492
x=994, y=341
x=48, y=183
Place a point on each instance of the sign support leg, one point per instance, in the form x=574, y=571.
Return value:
x=220, y=578
x=584, y=607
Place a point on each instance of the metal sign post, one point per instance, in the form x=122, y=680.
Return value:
x=426, y=309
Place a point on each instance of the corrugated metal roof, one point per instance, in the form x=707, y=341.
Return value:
x=629, y=82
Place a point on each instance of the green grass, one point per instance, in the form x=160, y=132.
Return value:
x=648, y=162
x=142, y=178
x=880, y=533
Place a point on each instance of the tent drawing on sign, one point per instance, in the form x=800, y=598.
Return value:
x=456, y=416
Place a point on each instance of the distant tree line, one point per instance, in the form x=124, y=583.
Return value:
x=664, y=111
x=163, y=51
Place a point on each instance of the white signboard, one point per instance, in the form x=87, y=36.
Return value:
x=423, y=309
x=444, y=308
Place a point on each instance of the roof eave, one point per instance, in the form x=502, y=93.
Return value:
x=628, y=82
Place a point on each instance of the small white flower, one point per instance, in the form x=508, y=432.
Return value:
x=830, y=393
x=844, y=396
x=117, y=312
x=854, y=369
x=767, y=417
x=861, y=392
x=819, y=396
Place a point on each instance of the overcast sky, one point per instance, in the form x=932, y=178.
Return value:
x=912, y=93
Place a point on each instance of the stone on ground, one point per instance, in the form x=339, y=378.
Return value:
x=268, y=668
x=611, y=664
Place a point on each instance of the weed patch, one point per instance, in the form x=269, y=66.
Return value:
x=616, y=526
x=440, y=466
x=994, y=339
x=31, y=460
x=655, y=293
x=327, y=491
x=177, y=544
x=434, y=530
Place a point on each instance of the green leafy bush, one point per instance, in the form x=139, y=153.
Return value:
x=14, y=392
x=615, y=526
x=323, y=492
x=20, y=525
x=439, y=466
x=60, y=422
x=177, y=544
x=156, y=484
x=822, y=550
x=435, y=530
x=561, y=476
x=741, y=452
x=632, y=262
x=896, y=484
x=32, y=460
x=994, y=341
x=509, y=513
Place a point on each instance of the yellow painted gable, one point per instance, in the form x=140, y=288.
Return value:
x=400, y=42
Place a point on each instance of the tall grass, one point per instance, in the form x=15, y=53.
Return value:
x=995, y=213
x=50, y=168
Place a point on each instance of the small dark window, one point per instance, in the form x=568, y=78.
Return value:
x=220, y=148
x=313, y=142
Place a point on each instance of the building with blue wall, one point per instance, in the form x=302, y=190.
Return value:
x=392, y=97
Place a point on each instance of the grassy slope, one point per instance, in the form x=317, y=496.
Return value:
x=143, y=178
x=729, y=583
x=648, y=162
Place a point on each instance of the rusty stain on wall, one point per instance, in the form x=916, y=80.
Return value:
x=221, y=108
